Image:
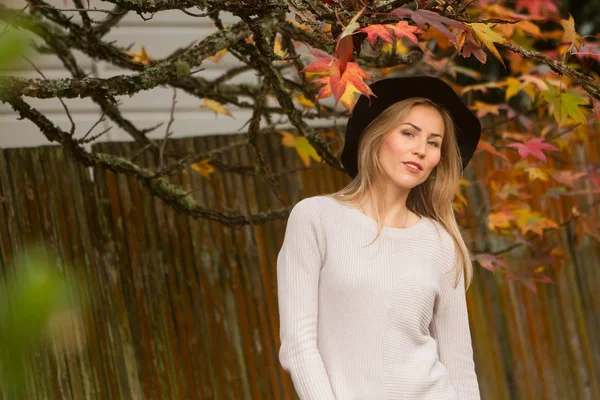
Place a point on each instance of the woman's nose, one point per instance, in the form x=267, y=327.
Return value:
x=420, y=148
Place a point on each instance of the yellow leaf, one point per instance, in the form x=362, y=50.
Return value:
x=533, y=221
x=536, y=173
x=141, y=57
x=512, y=88
x=302, y=146
x=304, y=102
x=400, y=48
x=488, y=37
x=277, y=48
x=299, y=25
x=289, y=139
x=215, y=107
x=203, y=168
x=306, y=151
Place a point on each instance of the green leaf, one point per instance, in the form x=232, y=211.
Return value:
x=565, y=104
x=12, y=45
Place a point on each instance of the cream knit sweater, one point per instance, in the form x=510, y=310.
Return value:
x=376, y=323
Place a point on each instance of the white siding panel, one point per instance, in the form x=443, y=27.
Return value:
x=24, y=133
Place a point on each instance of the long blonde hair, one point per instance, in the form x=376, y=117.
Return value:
x=432, y=198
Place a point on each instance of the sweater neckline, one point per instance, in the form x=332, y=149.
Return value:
x=388, y=231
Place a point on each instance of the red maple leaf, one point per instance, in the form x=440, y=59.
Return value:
x=533, y=147
x=536, y=7
x=422, y=17
x=403, y=29
x=377, y=31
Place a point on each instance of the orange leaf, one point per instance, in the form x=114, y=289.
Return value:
x=203, y=168
x=141, y=57
x=568, y=177
x=484, y=108
x=499, y=220
x=217, y=57
x=570, y=36
x=484, y=146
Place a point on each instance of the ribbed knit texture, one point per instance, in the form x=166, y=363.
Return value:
x=382, y=322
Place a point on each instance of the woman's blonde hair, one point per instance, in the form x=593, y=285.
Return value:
x=432, y=198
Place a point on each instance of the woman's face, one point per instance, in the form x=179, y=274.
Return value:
x=412, y=150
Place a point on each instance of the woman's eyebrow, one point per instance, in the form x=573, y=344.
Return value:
x=419, y=129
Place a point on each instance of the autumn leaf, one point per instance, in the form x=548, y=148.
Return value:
x=483, y=87
x=499, y=220
x=533, y=221
x=342, y=85
x=533, y=147
x=568, y=177
x=377, y=31
x=215, y=107
x=570, y=36
x=487, y=261
x=302, y=146
x=403, y=29
x=389, y=48
x=470, y=48
x=204, y=168
x=484, y=108
x=487, y=36
x=484, y=146
x=141, y=57
x=512, y=189
x=304, y=102
x=513, y=86
x=529, y=281
x=217, y=57
x=536, y=173
x=537, y=7
x=441, y=40
x=565, y=104
x=439, y=22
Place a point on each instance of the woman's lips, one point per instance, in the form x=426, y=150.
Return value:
x=412, y=168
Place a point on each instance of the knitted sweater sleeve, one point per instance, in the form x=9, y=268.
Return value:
x=298, y=269
x=450, y=328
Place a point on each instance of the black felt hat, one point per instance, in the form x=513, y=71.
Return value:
x=393, y=90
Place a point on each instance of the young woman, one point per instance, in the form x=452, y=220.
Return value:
x=388, y=321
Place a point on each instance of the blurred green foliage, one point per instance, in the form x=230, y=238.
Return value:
x=35, y=297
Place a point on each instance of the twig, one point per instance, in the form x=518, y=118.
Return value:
x=59, y=99
x=83, y=9
x=167, y=133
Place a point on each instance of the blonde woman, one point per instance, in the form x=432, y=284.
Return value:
x=372, y=278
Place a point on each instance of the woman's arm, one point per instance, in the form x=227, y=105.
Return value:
x=298, y=269
x=450, y=327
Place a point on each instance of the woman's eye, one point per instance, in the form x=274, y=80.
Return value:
x=406, y=133
x=436, y=144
